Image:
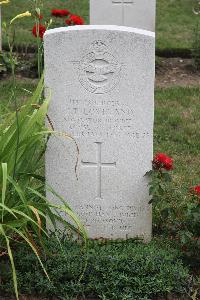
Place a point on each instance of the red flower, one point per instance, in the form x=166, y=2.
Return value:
x=40, y=17
x=60, y=13
x=42, y=30
x=161, y=160
x=74, y=20
x=196, y=190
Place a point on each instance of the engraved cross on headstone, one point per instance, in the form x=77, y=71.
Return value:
x=99, y=164
x=123, y=4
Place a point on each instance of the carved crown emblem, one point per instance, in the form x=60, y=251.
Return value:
x=99, y=69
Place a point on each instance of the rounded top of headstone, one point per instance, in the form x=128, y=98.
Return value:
x=99, y=27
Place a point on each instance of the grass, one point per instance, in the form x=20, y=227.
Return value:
x=175, y=20
x=175, y=24
x=24, y=87
x=177, y=125
x=177, y=130
x=115, y=270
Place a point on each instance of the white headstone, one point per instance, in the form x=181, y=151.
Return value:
x=132, y=13
x=102, y=83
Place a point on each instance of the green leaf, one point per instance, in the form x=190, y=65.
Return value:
x=11, y=261
x=167, y=177
x=149, y=173
x=32, y=247
x=4, y=184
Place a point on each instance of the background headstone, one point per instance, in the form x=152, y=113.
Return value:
x=102, y=84
x=132, y=13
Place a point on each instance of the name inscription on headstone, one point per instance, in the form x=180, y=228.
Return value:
x=101, y=118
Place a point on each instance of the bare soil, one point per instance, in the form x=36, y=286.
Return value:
x=176, y=72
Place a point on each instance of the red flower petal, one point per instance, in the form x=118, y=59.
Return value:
x=41, y=30
x=60, y=13
x=196, y=190
x=74, y=20
x=161, y=160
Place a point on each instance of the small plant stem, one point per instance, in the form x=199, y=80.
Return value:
x=17, y=121
x=37, y=21
x=38, y=48
x=13, y=96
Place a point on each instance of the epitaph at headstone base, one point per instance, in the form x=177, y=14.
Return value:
x=102, y=83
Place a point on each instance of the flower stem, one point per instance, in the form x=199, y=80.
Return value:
x=13, y=96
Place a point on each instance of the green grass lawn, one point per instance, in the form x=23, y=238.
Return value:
x=175, y=20
x=177, y=130
x=24, y=88
x=175, y=23
x=177, y=125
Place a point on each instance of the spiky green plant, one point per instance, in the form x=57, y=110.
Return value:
x=24, y=208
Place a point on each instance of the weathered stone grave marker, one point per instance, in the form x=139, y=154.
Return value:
x=102, y=83
x=133, y=13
